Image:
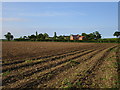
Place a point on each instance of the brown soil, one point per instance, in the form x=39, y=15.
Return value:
x=58, y=65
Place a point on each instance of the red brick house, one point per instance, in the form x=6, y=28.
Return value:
x=77, y=37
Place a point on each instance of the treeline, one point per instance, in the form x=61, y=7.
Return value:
x=43, y=37
x=92, y=37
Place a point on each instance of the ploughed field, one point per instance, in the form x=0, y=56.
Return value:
x=60, y=65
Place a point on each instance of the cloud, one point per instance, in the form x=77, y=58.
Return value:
x=12, y=19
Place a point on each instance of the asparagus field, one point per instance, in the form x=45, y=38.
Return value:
x=60, y=65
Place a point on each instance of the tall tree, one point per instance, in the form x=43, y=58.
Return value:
x=36, y=33
x=36, y=36
x=117, y=34
x=9, y=36
x=55, y=35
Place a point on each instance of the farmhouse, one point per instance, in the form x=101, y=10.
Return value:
x=77, y=37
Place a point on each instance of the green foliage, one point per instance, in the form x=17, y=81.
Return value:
x=91, y=36
x=45, y=35
x=32, y=37
x=94, y=37
x=36, y=33
x=117, y=34
x=97, y=35
x=84, y=34
x=25, y=37
x=55, y=35
x=41, y=36
x=9, y=36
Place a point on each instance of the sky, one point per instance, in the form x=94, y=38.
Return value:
x=65, y=18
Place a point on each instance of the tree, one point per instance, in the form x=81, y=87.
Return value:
x=45, y=35
x=91, y=36
x=8, y=36
x=41, y=36
x=117, y=34
x=97, y=35
x=32, y=37
x=12, y=37
x=36, y=33
x=36, y=36
x=25, y=37
x=55, y=35
x=84, y=34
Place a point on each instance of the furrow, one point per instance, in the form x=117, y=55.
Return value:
x=39, y=61
x=43, y=77
x=57, y=79
x=39, y=68
x=45, y=57
x=89, y=72
x=10, y=62
x=57, y=71
x=74, y=75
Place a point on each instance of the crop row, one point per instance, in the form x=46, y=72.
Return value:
x=48, y=66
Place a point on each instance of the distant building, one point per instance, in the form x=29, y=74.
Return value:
x=77, y=37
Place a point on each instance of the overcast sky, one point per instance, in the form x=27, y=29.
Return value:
x=65, y=18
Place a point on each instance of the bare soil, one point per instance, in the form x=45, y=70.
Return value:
x=59, y=65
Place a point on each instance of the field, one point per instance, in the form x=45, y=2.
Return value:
x=60, y=65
